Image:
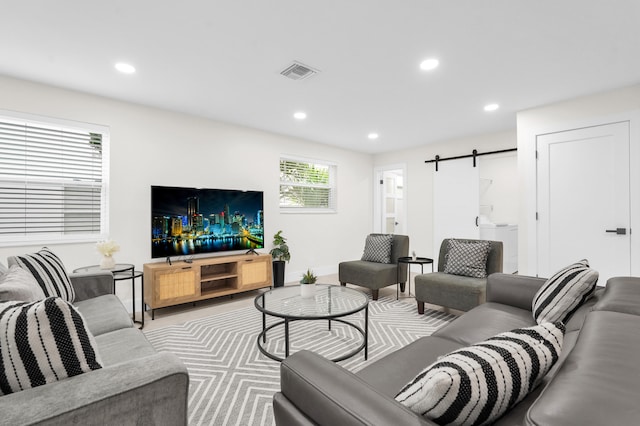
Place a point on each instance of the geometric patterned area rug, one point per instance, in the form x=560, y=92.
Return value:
x=232, y=383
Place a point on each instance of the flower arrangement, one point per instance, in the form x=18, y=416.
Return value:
x=108, y=247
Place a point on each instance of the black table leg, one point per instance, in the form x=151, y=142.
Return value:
x=133, y=295
x=264, y=322
x=142, y=300
x=286, y=338
x=366, y=332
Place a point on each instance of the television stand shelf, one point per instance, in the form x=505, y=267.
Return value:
x=205, y=278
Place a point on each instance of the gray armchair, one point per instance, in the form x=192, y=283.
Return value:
x=375, y=275
x=456, y=291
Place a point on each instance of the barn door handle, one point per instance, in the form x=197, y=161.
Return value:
x=476, y=220
x=618, y=231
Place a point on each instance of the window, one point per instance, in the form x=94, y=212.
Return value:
x=307, y=186
x=53, y=180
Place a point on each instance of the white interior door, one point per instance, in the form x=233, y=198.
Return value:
x=456, y=201
x=389, y=212
x=392, y=202
x=583, y=199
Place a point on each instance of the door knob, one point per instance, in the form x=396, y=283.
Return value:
x=618, y=231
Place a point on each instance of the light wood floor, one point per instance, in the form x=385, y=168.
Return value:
x=182, y=313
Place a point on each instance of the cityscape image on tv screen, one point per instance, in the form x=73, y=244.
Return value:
x=188, y=221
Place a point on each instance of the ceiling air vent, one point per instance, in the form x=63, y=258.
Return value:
x=298, y=71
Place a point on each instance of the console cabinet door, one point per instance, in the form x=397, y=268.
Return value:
x=173, y=286
x=255, y=273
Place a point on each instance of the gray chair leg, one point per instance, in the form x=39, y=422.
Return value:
x=421, y=307
x=374, y=294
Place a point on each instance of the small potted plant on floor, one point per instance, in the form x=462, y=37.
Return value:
x=280, y=254
x=308, y=284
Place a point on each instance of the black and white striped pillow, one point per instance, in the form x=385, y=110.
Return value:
x=49, y=271
x=477, y=384
x=562, y=294
x=42, y=342
x=377, y=248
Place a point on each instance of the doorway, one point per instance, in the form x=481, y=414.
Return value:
x=390, y=201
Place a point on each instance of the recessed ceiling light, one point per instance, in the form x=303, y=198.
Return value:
x=491, y=107
x=300, y=115
x=373, y=136
x=429, y=64
x=125, y=68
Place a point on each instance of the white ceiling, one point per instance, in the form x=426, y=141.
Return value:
x=221, y=59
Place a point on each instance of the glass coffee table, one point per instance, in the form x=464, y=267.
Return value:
x=329, y=302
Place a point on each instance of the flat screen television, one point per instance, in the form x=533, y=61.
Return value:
x=189, y=221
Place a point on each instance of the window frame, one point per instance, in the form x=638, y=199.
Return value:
x=332, y=185
x=29, y=238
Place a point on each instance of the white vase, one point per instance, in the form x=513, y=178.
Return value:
x=107, y=262
x=307, y=290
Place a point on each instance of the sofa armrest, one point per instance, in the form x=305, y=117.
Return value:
x=513, y=290
x=327, y=394
x=148, y=390
x=92, y=284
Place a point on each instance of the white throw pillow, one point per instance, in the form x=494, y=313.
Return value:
x=477, y=384
x=18, y=284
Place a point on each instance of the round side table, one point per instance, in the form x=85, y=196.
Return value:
x=411, y=261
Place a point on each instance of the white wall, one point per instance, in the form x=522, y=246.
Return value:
x=155, y=147
x=418, y=182
x=615, y=105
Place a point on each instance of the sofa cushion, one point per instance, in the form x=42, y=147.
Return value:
x=467, y=258
x=622, y=295
x=602, y=363
x=123, y=345
x=19, y=285
x=562, y=294
x=392, y=372
x=485, y=321
x=49, y=271
x=377, y=248
x=104, y=314
x=477, y=384
x=43, y=342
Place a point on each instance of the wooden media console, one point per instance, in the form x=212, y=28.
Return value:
x=204, y=278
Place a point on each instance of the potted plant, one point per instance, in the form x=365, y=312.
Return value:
x=308, y=284
x=280, y=254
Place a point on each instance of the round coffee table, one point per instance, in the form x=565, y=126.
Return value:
x=330, y=302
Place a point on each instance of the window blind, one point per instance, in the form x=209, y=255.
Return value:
x=307, y=185
x=52, y=182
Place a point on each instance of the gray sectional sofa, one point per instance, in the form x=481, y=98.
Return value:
x=137, y=385
x=596, y=380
